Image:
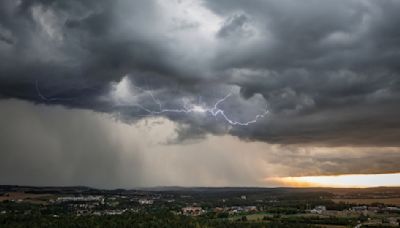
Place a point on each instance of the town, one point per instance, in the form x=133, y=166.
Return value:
x=204, y=207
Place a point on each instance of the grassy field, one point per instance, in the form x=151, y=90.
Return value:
x=260, y=216
x=331, y=226
x=256, y=217
x=391, y=201
x=26, y=197
x=252, y=217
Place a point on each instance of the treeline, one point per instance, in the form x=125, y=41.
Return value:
x=161, y=219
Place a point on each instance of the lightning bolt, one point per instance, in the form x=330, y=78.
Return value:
x=197, y=108
x=43, y=97
x=213, y=110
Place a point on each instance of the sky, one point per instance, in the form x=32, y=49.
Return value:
x=141, y=93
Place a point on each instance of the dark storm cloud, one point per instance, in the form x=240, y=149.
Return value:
x=329, y=70
x=233, y=25
x=54, y=145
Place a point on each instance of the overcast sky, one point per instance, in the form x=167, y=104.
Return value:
x=128, y=93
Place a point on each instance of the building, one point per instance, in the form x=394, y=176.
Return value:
x=359, y=208
x=194, y=211
x=114, y=212
x=394, y=209
x=146, y=201
x=250, y=208
x=80, y=198
x=393, y=221
x=318, y=210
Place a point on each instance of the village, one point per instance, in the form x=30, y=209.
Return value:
x=234, y=206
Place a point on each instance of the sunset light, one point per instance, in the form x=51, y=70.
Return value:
x=352, y=180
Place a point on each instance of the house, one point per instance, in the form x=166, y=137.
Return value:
x=114, y=212
x=359, y=208
x=318, y=210
x=393, y=221
x=395, y=209
x=146, y=201
x=195, y=211
x=250, y=208
x=373, y=209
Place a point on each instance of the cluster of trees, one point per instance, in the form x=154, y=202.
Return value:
x=159, y=219
x=160, y=215
x=314, y=220
x=127, y=220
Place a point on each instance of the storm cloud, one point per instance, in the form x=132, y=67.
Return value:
x=53, y=145
x=328, y=71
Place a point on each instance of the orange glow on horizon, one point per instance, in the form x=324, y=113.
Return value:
x=344, y=181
